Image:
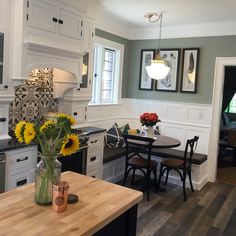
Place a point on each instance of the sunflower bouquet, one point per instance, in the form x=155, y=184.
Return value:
x=54, y=137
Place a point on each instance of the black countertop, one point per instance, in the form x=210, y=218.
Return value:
x=11, y=144
x=90, y=130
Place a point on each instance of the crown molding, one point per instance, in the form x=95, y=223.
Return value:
x=178, y=31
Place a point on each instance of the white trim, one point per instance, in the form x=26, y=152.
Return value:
x=186, y=31
x=220, y=64
x=117, y=87
x=178, y=31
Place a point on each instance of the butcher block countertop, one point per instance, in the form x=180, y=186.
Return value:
x=99, y=203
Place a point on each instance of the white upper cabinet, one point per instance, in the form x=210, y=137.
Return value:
x=88, y=35
x=87, y=66
x=54, y=24
x=70, y=24
x=4, y=42
x=42, y=15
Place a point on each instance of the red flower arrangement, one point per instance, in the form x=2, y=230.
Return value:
x=149, y=118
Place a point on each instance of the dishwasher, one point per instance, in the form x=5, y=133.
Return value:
x=2, y=171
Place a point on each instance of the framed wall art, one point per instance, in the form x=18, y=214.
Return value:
x=145, y=82
x=170, y=82
x=190, y=70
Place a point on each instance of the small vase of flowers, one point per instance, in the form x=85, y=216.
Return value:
x=149, y=119
x=54, y=137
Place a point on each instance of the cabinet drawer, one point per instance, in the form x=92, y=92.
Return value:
x=95, y=173
x=95, y=142
x=93, y=159
x=19, y=158
x=21, y=179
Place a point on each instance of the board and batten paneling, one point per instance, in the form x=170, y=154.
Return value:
x=179, y=120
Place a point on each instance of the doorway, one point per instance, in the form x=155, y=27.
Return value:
x=226, y=171
x=221, y=63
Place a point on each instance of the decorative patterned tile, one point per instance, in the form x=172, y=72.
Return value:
x=34, y=98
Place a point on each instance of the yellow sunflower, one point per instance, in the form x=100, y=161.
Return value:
x=47, y=125
x=67, y=117
x=29, y=133
x=19, y=131
x=70, y=145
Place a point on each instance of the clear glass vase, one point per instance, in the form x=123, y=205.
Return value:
x=48, y=172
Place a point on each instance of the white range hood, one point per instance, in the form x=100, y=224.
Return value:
x=67, y=65
x=37, y=56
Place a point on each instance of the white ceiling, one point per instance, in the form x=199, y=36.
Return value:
x=176, y=12
x=213, y=17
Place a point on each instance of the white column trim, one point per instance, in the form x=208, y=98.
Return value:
x=217, y=98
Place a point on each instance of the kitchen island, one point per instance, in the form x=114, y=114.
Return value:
x=103, y=209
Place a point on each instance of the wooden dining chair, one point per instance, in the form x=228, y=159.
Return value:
x=136, y=147
x=182, y=167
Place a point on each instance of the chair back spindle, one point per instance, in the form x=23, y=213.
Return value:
x=189, y=150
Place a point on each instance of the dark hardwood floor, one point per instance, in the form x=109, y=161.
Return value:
x=210, y=211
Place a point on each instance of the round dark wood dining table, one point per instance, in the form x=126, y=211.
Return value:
x=162, y=141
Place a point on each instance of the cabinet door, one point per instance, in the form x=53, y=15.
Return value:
x=21, y=179
x=79, y=112
x=42, y=15
x=86, y=85
x=1, y=57
x=85, y=71
x=70, y=24
x=88, y=34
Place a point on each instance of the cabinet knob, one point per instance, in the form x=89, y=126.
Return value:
x=60, y=21
x=54, y=19
x=5, y=86
x=75, y=113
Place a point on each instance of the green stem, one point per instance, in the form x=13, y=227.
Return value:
x=48, y=177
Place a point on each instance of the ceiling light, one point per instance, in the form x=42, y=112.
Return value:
x=159, y=68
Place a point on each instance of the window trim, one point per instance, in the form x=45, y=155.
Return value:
x=118, y=81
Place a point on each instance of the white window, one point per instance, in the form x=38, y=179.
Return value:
x=108, y=67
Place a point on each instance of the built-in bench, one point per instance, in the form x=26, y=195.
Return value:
x=114, y=164
x=111, y=154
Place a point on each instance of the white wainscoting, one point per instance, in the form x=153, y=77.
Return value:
x=179, y=120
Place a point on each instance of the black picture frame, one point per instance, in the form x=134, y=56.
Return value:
x=145, y=82
x=170, y=82
x=190, y=67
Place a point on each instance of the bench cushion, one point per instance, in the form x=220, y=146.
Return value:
x=198, y=158
x=111, y=154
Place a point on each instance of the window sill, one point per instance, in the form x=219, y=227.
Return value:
x=104, y=104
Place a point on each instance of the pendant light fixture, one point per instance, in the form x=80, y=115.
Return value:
x=159, y=68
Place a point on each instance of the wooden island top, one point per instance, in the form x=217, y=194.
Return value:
x=99, y=204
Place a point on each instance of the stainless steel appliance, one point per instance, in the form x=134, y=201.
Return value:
x=2, y=171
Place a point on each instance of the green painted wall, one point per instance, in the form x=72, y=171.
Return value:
x=210, y=48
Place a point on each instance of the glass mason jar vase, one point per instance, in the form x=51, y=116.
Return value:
x=48, y=172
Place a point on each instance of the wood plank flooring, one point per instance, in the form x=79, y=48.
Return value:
x=210, y=211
